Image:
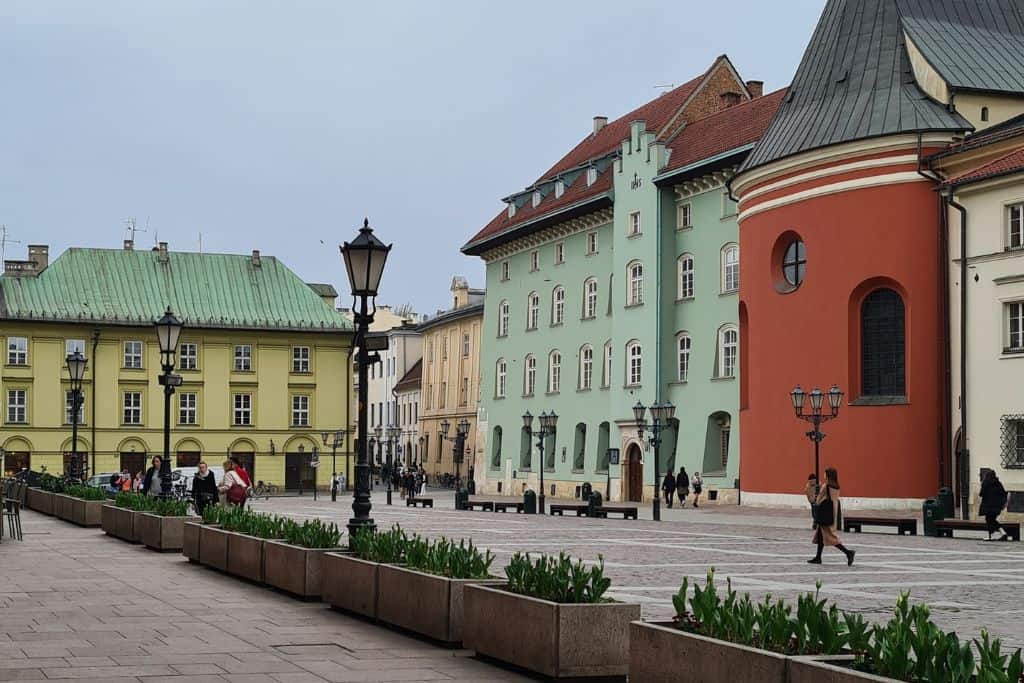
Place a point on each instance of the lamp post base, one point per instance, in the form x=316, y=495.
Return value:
x=656, y=508
x=540, y=503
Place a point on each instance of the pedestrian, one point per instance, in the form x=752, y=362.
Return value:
x=334, y=487
x=341, y=482
x=239, y=469
x=827, y=518
x=668, y=486
x=152, y=484
x=232, y=486
x=204, y=488
x=697, y=484
x=137, y=483
x=682, y=486
x=126, y=481
x=811, y=491
x=993, y=500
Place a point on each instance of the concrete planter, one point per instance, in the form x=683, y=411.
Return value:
x=349, y=583
x=190, y=540
x=165, y=534
x=829, y=670
x=245, y=556
x=40, y=501
x=81, y=512
x=660, y=653
x=427, y=604
x=556, y=640
x=213, y=547
x=119, y=522
x=60, y=502
x=292, y=568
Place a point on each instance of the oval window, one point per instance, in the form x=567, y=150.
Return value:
x=794, y=263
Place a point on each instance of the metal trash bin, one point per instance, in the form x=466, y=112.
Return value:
x=461, y=499
x=931, y=513
x=530, y=502
x=471, y=487
x=595, y=501
x=946, y=502
x=586, y=490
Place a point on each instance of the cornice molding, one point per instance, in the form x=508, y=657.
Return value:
x=557, y=232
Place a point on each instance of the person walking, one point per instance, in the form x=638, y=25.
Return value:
x=137, y=482
x=668, y=487
x=126, y=481
x=698, y=487
x=239, y=469
x=204, y=488
x=811, y=491
x=682, y=486
x=152, y=484
x=334, y=487
x=232, y=486
x=993, y=500
x=827, y=518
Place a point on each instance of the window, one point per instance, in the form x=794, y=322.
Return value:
x=590, y=298
x=560, y=253
x=554, y=372
x=728, y=348
x=511, y=209
x=1011, y=439
x=1015, y=327
x=633, y=228
x=730, y=268
x=557, y=305
x=132, y=414
x=133, y=354
x=559, y=188
x=502, y=323
x=591, y=176
x=532, y=310
x=529, y=376
x=535, y=199
x=72, y=345
x=243, y=357
x=442, y=399
x=882, y=344
x=684, y=267
x=500, y=376
x=534, y=260
x=1015, y=226
x=728, y=205
x=17, y=351
x=465, y=345
x=684, y=217
x=188, y=356
x=984, y=113
x=592, y=242
x=794, y=263
x=16, y=403
x=444, y=347
x=68, y=408
x=683, y=343
x=635, y=293
x=504, y=271
x=634, y=363
x=464, y=392
x=187, y=409
x=586, y=367
x=242, y=413
x=606, y=375
x=300, y=359
x=300, y=411
x=723, y=445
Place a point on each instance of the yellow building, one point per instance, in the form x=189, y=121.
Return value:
x=264, y=360
x=450, y=381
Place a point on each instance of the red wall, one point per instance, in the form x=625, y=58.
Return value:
x=810, y=336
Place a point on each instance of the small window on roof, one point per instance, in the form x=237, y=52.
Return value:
x=591, y=176
x=535, y=199
x=559, y=188
x=511, y=209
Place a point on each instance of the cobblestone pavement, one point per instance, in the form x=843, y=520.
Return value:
x=969, y=583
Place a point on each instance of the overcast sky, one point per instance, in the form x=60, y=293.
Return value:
x=279, y=125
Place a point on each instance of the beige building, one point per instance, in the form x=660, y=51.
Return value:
x=450, y=381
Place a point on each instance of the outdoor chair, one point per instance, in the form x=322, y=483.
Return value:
x=12, y=510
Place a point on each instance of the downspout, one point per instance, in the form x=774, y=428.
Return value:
x=964, y=454
x=92, y=400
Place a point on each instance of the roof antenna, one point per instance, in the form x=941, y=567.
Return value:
x=131, y=227
x=200, y=243
x=5, y=240
x=665, y=87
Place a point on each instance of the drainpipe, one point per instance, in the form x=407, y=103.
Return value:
x=92, y=400
x=964, y=454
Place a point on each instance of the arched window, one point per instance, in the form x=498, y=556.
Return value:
x=502, y=321
x=590, y=298
x=606, y=376
x=730, y=268
x=635, y=279
x=579, y=447
x=634, y=363
x=500, y=374
x=557, y=305
x=683, y=350
x=728, y=351
x=883, y=347
x=532, y=310
x=496, y=447
x=984, y=113
x=684, y=267
x=529, y=375
x=586, y=367
x=554, y=371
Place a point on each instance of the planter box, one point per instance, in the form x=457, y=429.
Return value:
x=119, y=523
x=660, y=653
x=161, y=533
x=245, y=556
x=292, y=568
x=40, y=501
x=829, y=670
x=427, y=604
x=556, y=640
x=213, y=547
x=59, y=505
x=81, y=512
x=350, y=584
x=190, y=540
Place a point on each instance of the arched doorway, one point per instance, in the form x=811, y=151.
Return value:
x=634, y=476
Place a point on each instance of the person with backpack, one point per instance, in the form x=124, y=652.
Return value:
x=993, y=500
x=232, y=486
x=826, y=519
x=698, y=487
x=682, y=486
x=668, y=487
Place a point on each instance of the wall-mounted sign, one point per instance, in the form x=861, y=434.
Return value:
x=613, y=456
x=635, y=182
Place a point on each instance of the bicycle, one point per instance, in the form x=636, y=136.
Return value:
x=265, y=491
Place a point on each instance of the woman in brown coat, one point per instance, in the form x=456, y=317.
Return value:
x=827, y=499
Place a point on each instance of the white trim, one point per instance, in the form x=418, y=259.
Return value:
x=874, y=162
x=797, y=500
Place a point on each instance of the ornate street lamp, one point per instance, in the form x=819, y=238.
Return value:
x=548, y=423
x=334, y=439
x=661, y=414
x=816, y=416
x=364, y=258
x=168, y=329
x=458, y=447
x=75, y=363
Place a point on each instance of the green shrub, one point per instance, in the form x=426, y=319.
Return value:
x=48, y=482
x=444, y=558
x=557, y=579
x=85, y=492
x=312, y=533
x=130, y=500
x=164, y=507
x=386, y=547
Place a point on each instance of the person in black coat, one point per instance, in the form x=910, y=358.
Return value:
x=682, y=486
x=993, y=500
x=204, y=488
x=151, y=483
x=668, y=486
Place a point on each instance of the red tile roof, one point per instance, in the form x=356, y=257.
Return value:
x=1008, y=163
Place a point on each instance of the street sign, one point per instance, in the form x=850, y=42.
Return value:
x=170, y=380
x=613, y=456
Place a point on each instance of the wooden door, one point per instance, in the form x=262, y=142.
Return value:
x=635, y=480
x=134, y=463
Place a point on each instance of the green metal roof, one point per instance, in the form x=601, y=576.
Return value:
x=115, y=286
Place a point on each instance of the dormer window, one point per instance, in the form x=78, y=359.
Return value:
x=591, y=176
x=535, y=199
x=559, y=188
x=511, y=209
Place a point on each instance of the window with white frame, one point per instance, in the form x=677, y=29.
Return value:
x=728, y=351
x=606, y=370
x=592, y=242
x=532, y=310
x=300, y=359
x=586, y=367
x=683, y=343
x=634, y=363
x=504, y=271
x=591, y=176
x=502, y=324
x=590, y=298
x=241, y=414
x=559, y=253
x=16, y=406
x=243, y=357
x=132, y=404
x=1015, y=226
x=534, y=260
x=684, y=216
x=133, y=354
x=500, y=378
x=554, y=372
x=465, y=345
x=73, y=345
x=529, y=376
x=188, y=356
x=535, y=199
x=633, y=228
x=300, y=410
x=635, y=280
x=730, y=268
x=69, y=402
x=559, y=188
x=1014, y=327
x=684, y=267
x=188, y=408
x=464, y=391
x=17, y=351
x=557, y=305
x=511, y=208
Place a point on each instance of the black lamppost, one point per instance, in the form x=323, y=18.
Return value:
x=168, y=328
x=75, y=363
x=816, y=416
x=335, y=439
x=548, y=423
x=365, y=257
x=661, y=413
x=392, y=434
x=459, y=447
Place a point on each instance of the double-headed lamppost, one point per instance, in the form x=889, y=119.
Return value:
x=661, y=413
x=365, y=257
x=168, y=329
x=548, y=423
x=459, y=447
x=76, y=371
x=816, y=416
x=333, y=440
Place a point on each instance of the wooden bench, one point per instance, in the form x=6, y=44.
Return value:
x=561, y=508
x=424, y=502
x=487, y=505
x=904, y=525
x=626, y=512
x=945, y=527
x=503, y=506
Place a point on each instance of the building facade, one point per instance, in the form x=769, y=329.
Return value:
x=263, y=357
x=407, y=397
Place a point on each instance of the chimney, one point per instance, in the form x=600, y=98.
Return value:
x=162, y=249
x=129, y=245
x=38, y=259
x=755, y=88
x=40, y=254
x=599, y=123
x=256, y=263
x=730, y=99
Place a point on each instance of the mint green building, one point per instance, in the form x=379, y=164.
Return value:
x=613, y=279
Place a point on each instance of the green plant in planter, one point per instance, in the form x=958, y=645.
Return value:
x=312, y=533
x=444, y=558
x=48, y=482
x=168, y=507
x=993, y=665
x=557, y=579
x=85, y=492
x=386, y=547
x=130, y=500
